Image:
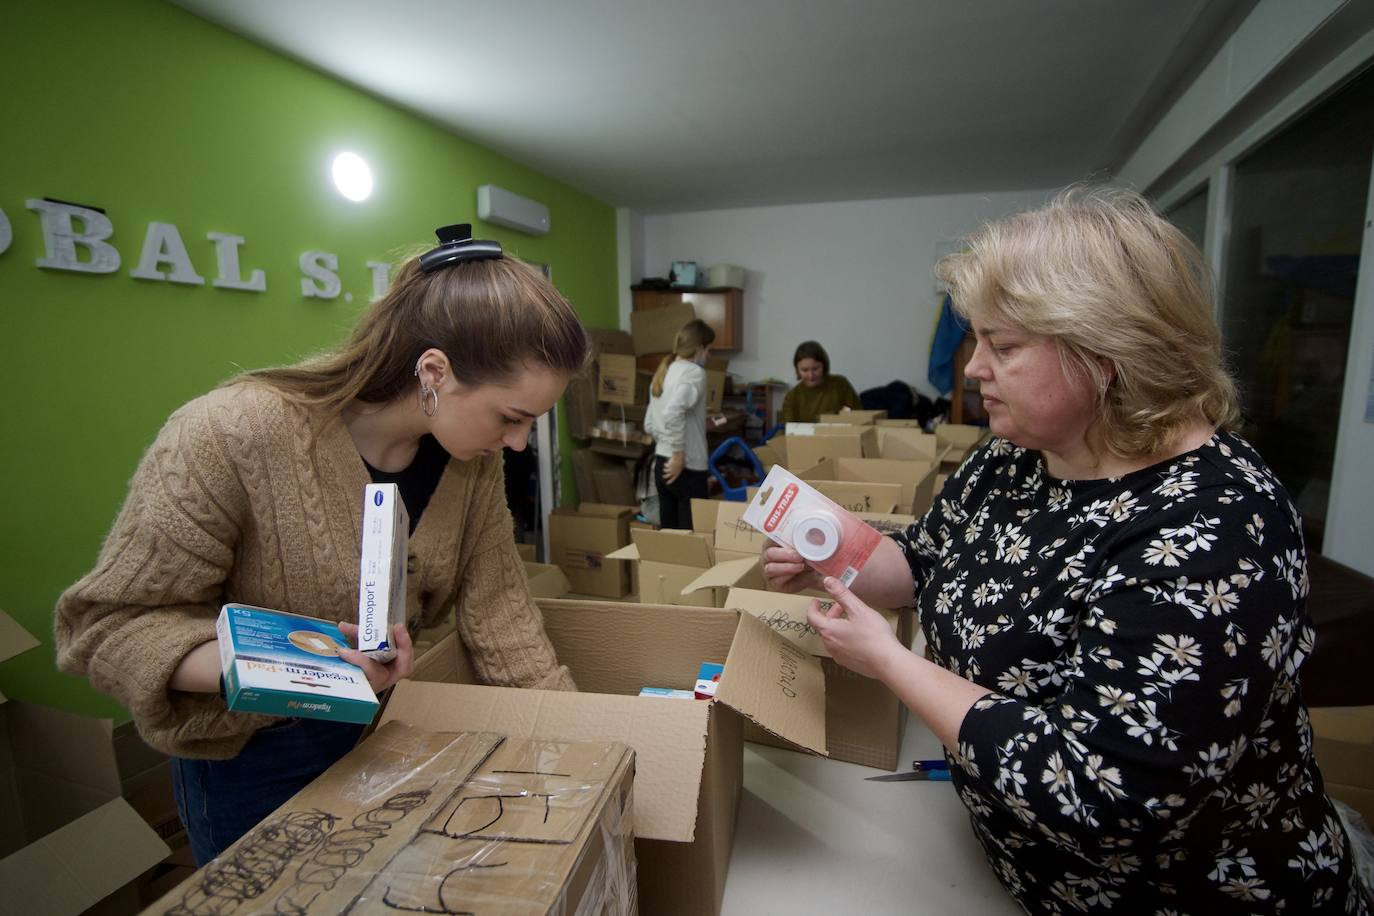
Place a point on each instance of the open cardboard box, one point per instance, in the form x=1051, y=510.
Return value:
x=67, y=837
x=688, y=754
x=915, y=482
x=864, y=720
x=809, y=444
x=960, y=439
x=546, y=580
x=904, y=444
x=1344, y=745
x=684, y=567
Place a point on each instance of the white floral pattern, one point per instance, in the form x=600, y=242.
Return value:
x=1146, y=749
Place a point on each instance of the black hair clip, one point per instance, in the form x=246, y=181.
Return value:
x=457, y=245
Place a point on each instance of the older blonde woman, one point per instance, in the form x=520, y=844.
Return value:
x=1113, y=590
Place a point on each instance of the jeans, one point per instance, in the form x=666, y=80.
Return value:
x=675, y=499
x=221, y=800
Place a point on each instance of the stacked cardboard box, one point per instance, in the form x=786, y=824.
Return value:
x=689, y=761
x=853, y=417
x=68, y=839
x=581, y=538
x=875, y=484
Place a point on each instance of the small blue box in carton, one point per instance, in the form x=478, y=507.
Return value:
x=281, y=664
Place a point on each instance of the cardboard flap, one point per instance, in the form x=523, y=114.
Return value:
x=681, y=548
x=860, y=496
x=13, y=638
x=602, y=510
x=786, y=615
x=733, y=533
x=75, y=867
x=775, y=684
x=669, y=738
x=628, y=552
x=723, y=575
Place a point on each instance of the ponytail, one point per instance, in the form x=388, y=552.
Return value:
x=693, y=335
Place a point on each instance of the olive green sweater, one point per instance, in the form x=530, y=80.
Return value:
x=245, y=497
x=805, y=405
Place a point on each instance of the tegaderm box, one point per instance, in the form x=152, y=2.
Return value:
x=382, y=571
x=281, y=664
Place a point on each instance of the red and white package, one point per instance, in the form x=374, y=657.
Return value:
x=832, y=540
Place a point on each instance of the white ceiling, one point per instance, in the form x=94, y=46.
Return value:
x=673, y=105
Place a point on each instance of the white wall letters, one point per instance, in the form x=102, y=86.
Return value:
x=60, y=237
x=320, y=280
x=163, y=245
x=227, y=257
x=380, y=270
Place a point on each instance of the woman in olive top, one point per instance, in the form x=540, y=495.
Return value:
x=818, y=391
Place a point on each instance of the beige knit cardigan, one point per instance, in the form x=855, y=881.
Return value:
x=246, y=497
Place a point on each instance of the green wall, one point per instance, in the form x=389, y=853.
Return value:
x=145, y=111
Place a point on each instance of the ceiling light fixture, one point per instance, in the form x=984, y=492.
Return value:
x=352, y=176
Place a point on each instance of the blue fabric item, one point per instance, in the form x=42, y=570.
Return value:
x=949, y=333
x=221, y=800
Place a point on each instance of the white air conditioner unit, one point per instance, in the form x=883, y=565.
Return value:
x=499, y=206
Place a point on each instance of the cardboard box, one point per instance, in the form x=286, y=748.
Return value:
x=546, y=580
x=961, y=440
x=604, y=478
x=861, y=497
x=915, y=479
x=888, y=523
x=382, y=569
x=616, y=375
x=415, y=820
x=772, y=452
x=864, y=721
x=688, y=755
x=655, y=330
x=581, y=537
x=580, y=396
x=527, y=552
x=1344, y=746
x=281, y=664
x=901, y=444
x=67, y=839
x=666, y=562
x=853, y=417
x=704, y=514
x=834, y=441
x=897, y=424
x=715, y=390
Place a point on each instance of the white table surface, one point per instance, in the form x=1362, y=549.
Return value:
x=814, y=837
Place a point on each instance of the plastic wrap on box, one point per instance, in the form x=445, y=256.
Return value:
x=439, y=822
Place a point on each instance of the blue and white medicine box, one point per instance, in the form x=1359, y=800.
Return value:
x=708, y=676
x=382, y=571
x=280, y=664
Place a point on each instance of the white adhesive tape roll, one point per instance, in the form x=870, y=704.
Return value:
x=817, y=536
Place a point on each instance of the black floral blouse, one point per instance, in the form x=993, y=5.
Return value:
x=1146, y=749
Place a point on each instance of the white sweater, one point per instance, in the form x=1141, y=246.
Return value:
x=677, y=418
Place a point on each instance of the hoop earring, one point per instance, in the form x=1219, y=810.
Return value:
x=429, y=399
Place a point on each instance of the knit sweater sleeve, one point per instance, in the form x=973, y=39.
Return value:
x=154, y=593
x=497, y=618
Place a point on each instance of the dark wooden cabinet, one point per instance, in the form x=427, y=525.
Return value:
x=722, y=308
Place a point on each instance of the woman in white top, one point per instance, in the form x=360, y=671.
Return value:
x=676, y=418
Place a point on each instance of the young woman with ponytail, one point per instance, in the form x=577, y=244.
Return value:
x=253, y=494
x=676, y=418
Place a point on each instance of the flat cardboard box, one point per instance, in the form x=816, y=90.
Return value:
x=864, y=721
x=67, y=838
x=419, y=820
x=915, y=478
x=546, y=580
x=715, y=390
x=581, y=537
x=853, y=417
x=655, y=330
x=1344, y=745
x=688, y=755
x=616, y=378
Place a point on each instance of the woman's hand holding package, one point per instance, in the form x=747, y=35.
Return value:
x=784, y=570
x=381, y=676
x=858, y=637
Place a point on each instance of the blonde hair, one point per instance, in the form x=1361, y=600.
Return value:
x=1109, y=279
x=489, y=317
x=691, y=337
